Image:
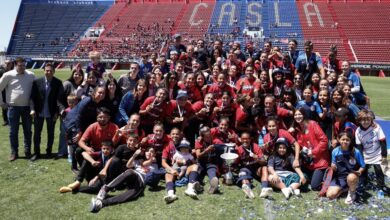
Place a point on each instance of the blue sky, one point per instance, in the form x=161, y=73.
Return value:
x=8, y=12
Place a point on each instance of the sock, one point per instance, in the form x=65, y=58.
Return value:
x=170, y=186
x=212, y=172
x=193, y=177
x=264, y=184
x=246, y=186
x=171, y=192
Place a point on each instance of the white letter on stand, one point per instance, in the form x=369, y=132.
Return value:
x=315, y=13
x=196, y=9
x=255, y=12
x=277, y=17
x=228, y=13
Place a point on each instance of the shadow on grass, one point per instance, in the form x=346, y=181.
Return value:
x=156, y=189
x=363, y=197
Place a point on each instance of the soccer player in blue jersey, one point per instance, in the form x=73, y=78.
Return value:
x=347, y=164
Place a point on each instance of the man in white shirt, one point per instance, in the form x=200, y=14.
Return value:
x=8, y=65
x=17, y=84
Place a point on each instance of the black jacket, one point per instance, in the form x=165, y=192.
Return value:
x=55, y=99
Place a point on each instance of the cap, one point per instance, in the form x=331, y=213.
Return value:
x=173, y=52
x=176, y=36
x=184, y=144
x=181, y=94
x=244, y=173
x=277, y=70
x=280, y=141
x=341, y=112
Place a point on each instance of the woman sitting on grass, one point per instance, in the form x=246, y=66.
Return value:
x=208, y=158
x=274, y=133
x=171, y=173
x=252, y=165
x=281, y=170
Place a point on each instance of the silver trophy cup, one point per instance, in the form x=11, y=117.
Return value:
x=229, y=158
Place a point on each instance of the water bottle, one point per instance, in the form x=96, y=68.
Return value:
x=260, y=141
x=381, y=194
x=69, y=158
x=263, y=131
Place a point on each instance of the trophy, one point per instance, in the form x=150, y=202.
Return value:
x=229, y=158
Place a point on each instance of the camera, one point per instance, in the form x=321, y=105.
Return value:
x=305, y=156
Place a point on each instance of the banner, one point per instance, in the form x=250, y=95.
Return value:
x=366, y=66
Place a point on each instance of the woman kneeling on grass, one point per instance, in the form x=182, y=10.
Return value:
x=314, y=154
x=281, y=170
x=348, y=165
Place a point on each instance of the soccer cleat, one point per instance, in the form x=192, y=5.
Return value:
x=286, y=192
x=75, y=171
x=95, y=205
x=13, y=157
x=198, y=187
x=248, y=191
x=266, y=192
x=191, y=193
x=65, y=189
x=296, y=192
x=350, y=198
x=213, y=185
x=170, y=198
x=102, y=193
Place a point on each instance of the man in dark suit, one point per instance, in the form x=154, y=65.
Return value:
x=47, y=96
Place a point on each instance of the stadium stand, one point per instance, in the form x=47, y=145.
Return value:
x=44, y=28
x=109, y=17
x=319, y=26
x=369, y=41
x=133, y=30
x=195, y=20
x=130, y=27
x=226, y=17
x=372, y=52
x=283, y=23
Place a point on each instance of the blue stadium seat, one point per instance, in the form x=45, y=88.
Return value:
x=230, y=20
x=52, y=29
x=283, y=22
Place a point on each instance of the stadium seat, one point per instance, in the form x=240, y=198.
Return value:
x=51, y=29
